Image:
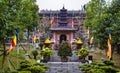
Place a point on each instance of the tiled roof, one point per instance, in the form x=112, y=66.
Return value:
x=62, y=29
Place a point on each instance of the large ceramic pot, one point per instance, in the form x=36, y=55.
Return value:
x=64, y=59
x=46, y=58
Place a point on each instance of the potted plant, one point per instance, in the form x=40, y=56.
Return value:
x=82, y=53
x=46, y=53
x=64, y=51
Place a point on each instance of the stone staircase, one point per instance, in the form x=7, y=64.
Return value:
x=56, y=66
x=63, y=67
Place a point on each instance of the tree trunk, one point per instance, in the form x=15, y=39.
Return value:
x=28, y=36
x=35, y=57
x=3, y=55
x=118, y=49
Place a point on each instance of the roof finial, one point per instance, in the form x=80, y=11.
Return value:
x=63, y=6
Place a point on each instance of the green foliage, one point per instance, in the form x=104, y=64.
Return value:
x=95, y=16
x=47, y=52
x=64, y=49
x=96, y=71
x=41, y=45
x=24, y=72
x=35, y=52
x=19, y=14
x=114, y=10
x=101, y=17
x=98, y=68
x=16, y=14
x=30, y=66
x=82, y=52
x=108, y=62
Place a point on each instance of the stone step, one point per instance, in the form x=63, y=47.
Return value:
x=63, y=67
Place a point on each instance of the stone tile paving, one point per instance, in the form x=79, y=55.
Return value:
x=63, y=67
x=56, y=66
x=56, y=58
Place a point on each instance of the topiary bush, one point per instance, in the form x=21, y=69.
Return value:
x=64, y=50
x=46, y=53
x=108, y=62
x=82, y=52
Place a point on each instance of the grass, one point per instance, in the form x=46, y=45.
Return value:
x=98, y=55
x=16, y=58
x=116, y=59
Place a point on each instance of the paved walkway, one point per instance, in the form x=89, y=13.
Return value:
x=63, y=67
x=56, y=66
x=56, y=58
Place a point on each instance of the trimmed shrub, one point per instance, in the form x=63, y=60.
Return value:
x=31, y=66
x=108, y=62
x=64, y=49
x=98, y=68
x=96, y=71
x=46, y=53
x=82, y=52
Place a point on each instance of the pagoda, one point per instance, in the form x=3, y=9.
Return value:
x=66, y=26
x=63, y=29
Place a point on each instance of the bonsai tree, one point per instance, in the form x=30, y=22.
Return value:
x=64, y=51
x=41, y=45
x=46, y=53
x=82, y=53
x=35, y=53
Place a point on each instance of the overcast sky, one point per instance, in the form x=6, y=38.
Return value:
x=58, y=4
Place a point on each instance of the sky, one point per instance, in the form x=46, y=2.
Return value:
x=58, y=4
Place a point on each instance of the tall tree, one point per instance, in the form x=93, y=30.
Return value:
x=95, y=10
x=8, y=15
x=102, y=18
x=16, y=14
x=30, y=15
x=114, y=10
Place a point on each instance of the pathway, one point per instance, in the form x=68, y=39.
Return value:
x=63, y=67
x=56, y=66
x=56, y=58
